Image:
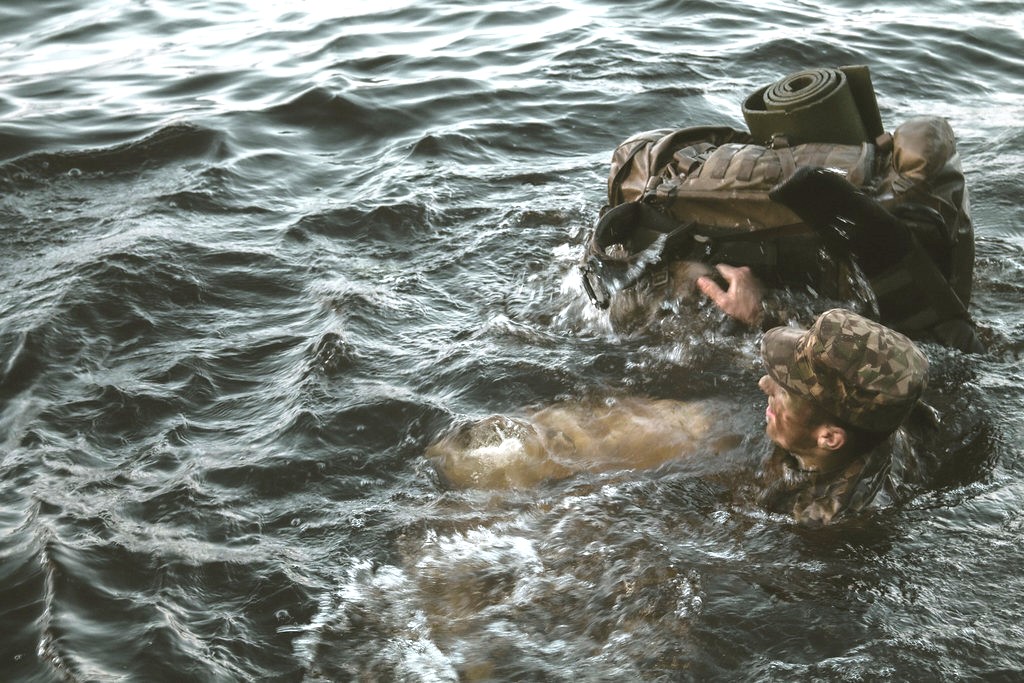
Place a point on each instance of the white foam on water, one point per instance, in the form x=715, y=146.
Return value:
x=384, y=595
x=504, y=453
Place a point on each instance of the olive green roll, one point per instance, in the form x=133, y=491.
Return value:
x=816, y=105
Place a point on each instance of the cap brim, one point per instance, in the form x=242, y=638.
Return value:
x=778, y=350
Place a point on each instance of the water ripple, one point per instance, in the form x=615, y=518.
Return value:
x=258, y=257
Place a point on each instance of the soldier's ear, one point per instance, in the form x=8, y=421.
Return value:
x=831, y=437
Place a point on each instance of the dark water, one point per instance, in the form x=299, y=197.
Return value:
x=257, y=257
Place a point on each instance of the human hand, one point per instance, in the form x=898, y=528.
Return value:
x=742, y=299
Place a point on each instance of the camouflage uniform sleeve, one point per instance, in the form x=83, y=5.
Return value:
x=812, y=499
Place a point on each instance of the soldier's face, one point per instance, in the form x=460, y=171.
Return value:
x=788, y=418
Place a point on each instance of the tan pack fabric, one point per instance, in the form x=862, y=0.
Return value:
x=717, y=177
x=925, y=170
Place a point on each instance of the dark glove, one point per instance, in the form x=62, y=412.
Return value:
x=845, y=218
x=913, y=295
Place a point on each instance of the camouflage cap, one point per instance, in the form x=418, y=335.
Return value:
x=853, y=368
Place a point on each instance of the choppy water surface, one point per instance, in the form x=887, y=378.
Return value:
x=257, y=258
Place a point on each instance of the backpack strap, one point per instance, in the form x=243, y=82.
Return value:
x=780, y=143
x=649, y=238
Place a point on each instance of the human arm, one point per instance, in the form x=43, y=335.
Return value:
x=746, y=300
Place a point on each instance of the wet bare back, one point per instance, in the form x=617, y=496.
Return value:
x=576, y=436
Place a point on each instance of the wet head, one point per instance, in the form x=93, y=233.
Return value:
x=837, y=389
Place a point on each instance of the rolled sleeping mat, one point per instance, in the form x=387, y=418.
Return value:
x=817, y=105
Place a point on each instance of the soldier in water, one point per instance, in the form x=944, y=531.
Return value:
x=839, y=395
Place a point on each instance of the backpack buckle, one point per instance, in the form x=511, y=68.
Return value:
x=592, y=285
